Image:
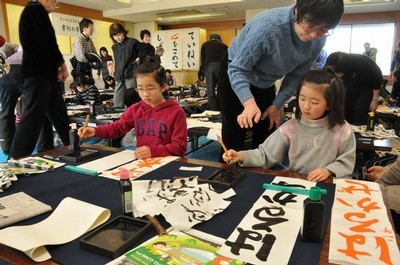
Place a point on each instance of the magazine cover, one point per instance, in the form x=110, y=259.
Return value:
x=177, y=248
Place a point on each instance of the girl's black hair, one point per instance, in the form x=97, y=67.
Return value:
x=103, y=49
x=333, y=89
x=320, y=12
x=83, y=80
x=151, y=67
x=116, y=28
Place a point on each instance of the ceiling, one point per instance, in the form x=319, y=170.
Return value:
x=211, y=10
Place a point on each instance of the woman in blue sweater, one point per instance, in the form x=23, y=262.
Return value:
x=277, y=43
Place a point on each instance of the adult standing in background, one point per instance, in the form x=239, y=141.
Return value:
x=370, y=52
x=277, y=43
x=83, y=45
x=362, y=78
x=107, y=63
x=42, y=85
x=395, y=65
x=11, y=87
x=212, y=52
x=146, y=50
x=126, y=52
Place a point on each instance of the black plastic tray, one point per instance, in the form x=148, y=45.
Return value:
x=225, y=178
x=115, y=237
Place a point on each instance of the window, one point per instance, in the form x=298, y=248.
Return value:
x=351, y=39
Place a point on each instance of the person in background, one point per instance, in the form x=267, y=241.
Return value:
x=125, y=52
x=159, y=53
x=145, y=48
x=160, y=124
x=277, y=43
x=389, y=177
x=212, y=52
x=362, y=78
x=319, y=63
x=395, y=94
x=86, y=91
x=83, y=45
x=11, y=87
x=42, y=85
x=370, y=52
x=170, y=78
x=318, y=130
x=395, y=64
x=106, y=63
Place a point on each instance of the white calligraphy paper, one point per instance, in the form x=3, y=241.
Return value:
x=268, y=232
x=71, y=219
x=361, y=232
x=110, y=161
x=182, y=202
x=139, y=167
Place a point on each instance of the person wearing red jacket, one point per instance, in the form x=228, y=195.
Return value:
x=160, y=124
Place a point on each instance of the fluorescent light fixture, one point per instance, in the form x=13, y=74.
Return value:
x=193, y=16
x=124, y=1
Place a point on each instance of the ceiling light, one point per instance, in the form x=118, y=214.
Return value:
x=124, y=1
x=203, y=15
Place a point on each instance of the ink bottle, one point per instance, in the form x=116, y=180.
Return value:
x=92, y=110
x=371, y=121
x=313, y=220
x=126, y=192
x=73, y=137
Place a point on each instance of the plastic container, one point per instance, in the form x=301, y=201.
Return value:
x=371, y=121
x=314, y=212
x=126, y=192
x=73, y=137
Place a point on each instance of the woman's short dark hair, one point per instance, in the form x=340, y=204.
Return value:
x=116, y=28
x=320, y=12
x=339, y=61
x=149, y=67
x=85, y=23
x=143, y=33
x=333, y=89
x=103, y=49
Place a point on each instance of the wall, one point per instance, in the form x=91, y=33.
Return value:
x=12, y=10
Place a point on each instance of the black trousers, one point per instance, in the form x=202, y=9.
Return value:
x=9, y=94
x=231, y=107
x=43, y=98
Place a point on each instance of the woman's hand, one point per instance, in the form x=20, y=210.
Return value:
x=319, y=174
x=274, y=115
x=143, y=152
x=251, y=112
x=375, y=172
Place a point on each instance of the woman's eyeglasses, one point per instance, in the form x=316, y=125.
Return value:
x=319, y=31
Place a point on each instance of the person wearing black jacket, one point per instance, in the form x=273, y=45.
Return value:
x=212, y=52
x=42, y=84
x=126, y=53
x=362, y=78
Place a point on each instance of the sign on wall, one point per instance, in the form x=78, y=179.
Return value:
x=182, y=51
x=66, y=25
